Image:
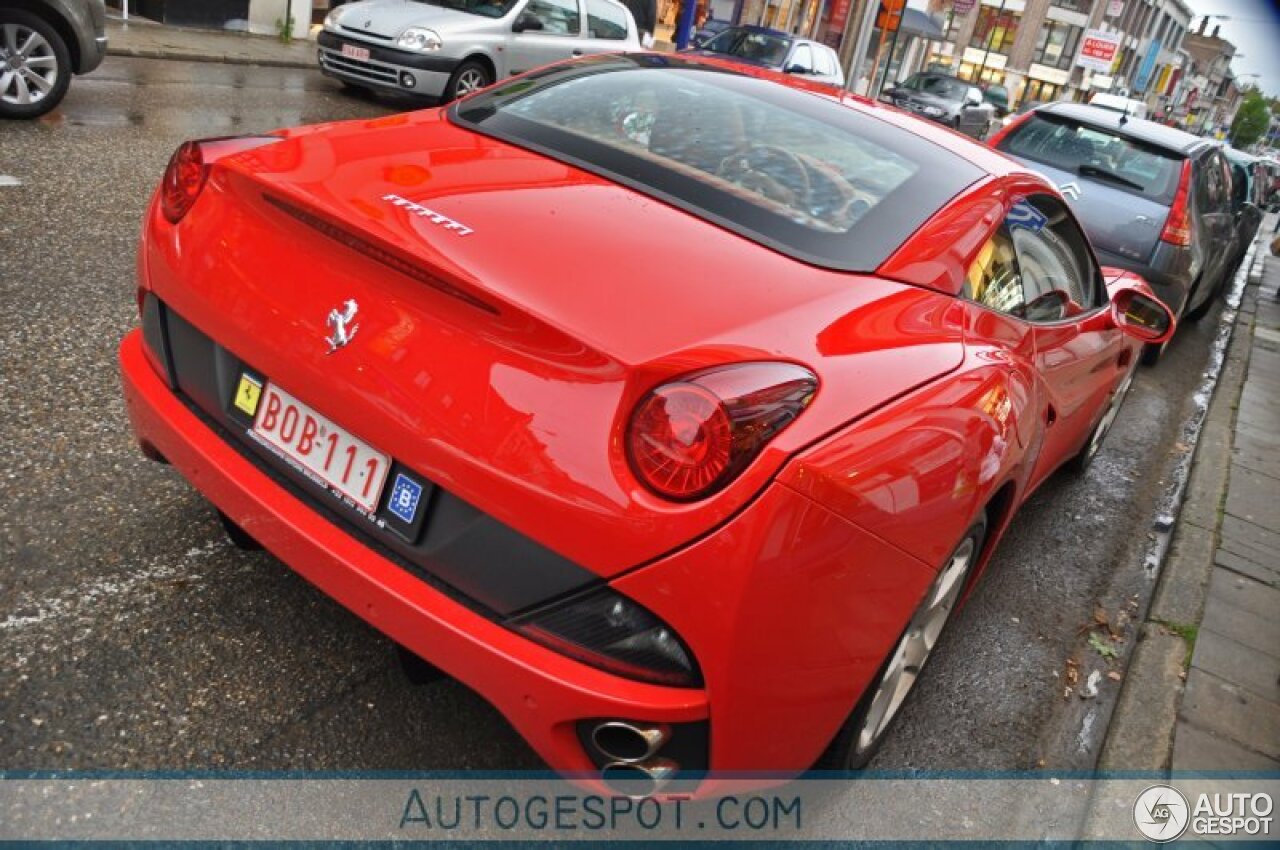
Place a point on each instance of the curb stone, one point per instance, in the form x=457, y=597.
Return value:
x=1141, y=733
x=200, y=56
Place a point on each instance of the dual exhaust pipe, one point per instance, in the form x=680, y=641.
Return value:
x=633, y=768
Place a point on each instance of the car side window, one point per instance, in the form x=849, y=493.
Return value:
x=1214, y=189
x=1053, y=258
x=802, y=59
x=822, y=62
x=993, y=279
x=1037, y=266
x=558, y=17
x=606, y=20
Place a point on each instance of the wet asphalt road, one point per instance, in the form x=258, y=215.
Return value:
x=134, y=636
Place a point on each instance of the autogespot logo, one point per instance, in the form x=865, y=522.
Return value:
x=1161, y=813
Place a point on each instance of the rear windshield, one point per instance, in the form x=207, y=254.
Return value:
x=800, y=173
x=1097, y=154
x=753, y=46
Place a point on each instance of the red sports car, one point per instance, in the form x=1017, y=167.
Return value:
x=671, y=407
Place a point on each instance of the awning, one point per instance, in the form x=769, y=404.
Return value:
x=915, y=22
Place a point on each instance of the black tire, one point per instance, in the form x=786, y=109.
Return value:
x=1151, y=354
x=467, y=77
x=847, y=751
x=417, y=670
x=1084, y=458
x=239, y=538
x=48, y=63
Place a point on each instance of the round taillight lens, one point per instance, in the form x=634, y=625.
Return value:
x=183, y=180
x=681, y=440
x=691, y=437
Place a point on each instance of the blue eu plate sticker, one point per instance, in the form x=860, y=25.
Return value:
x=405, y=496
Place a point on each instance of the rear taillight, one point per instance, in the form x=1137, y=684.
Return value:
x=1177, y=227
x=183, y=180
x=691, y=437
x=189, y=169
x=1004, y=132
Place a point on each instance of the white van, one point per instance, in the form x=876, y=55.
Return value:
x=1116, y=103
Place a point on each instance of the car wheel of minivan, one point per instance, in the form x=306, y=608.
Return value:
x=470, y=76
x=35, y=65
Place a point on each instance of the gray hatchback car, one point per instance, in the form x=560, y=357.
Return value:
x=1153, y=199
x=450, y=48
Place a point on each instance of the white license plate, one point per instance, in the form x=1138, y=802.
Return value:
x=353, y=52
x=344, y=462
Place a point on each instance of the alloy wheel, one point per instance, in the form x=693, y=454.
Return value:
x=471, y=79
x=915, y=646
x=28, y=65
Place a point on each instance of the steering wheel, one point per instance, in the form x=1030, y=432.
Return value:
x=771, y=171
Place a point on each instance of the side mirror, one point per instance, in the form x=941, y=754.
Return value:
x=1142, y=316
x=795, y=69
x=526, y=22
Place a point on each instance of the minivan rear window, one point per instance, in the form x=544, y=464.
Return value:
x=803, y=174
x=1097, y=154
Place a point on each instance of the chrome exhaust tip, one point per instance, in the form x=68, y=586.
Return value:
x=629, y=743
x=638, y=780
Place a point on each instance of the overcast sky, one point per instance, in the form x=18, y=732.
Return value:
x=1254, y=28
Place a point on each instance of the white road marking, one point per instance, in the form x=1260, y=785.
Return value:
x=86, y=601
x=6, y=180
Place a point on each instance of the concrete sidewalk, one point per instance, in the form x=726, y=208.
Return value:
x=147, y=39
x=1203, y=689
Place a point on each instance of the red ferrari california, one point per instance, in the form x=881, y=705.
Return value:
x=670, y=407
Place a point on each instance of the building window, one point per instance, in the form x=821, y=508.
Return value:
x=1056, y=44
x=1083, y=6
x=997, y=28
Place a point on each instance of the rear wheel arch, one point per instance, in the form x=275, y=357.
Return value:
x=484, y=59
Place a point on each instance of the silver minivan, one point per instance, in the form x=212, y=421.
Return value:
x=450, y=48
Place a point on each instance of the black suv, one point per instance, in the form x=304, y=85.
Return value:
x=42, y=43
x=1153, y=199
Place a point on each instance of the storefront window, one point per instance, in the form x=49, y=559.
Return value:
x=1056, y=44
x=1084, y=6
x=1039, y=91
x=996, y=28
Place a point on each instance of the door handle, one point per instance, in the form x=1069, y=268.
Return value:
x=577, y=51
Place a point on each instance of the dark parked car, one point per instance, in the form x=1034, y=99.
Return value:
x=1248, y=179
x=42, y=43
x=945, y=99
x=710, y=28
x=1153, y=199
x=766, y=48
x=997, y=96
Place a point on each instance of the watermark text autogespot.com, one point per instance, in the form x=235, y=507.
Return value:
x=597, y=813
